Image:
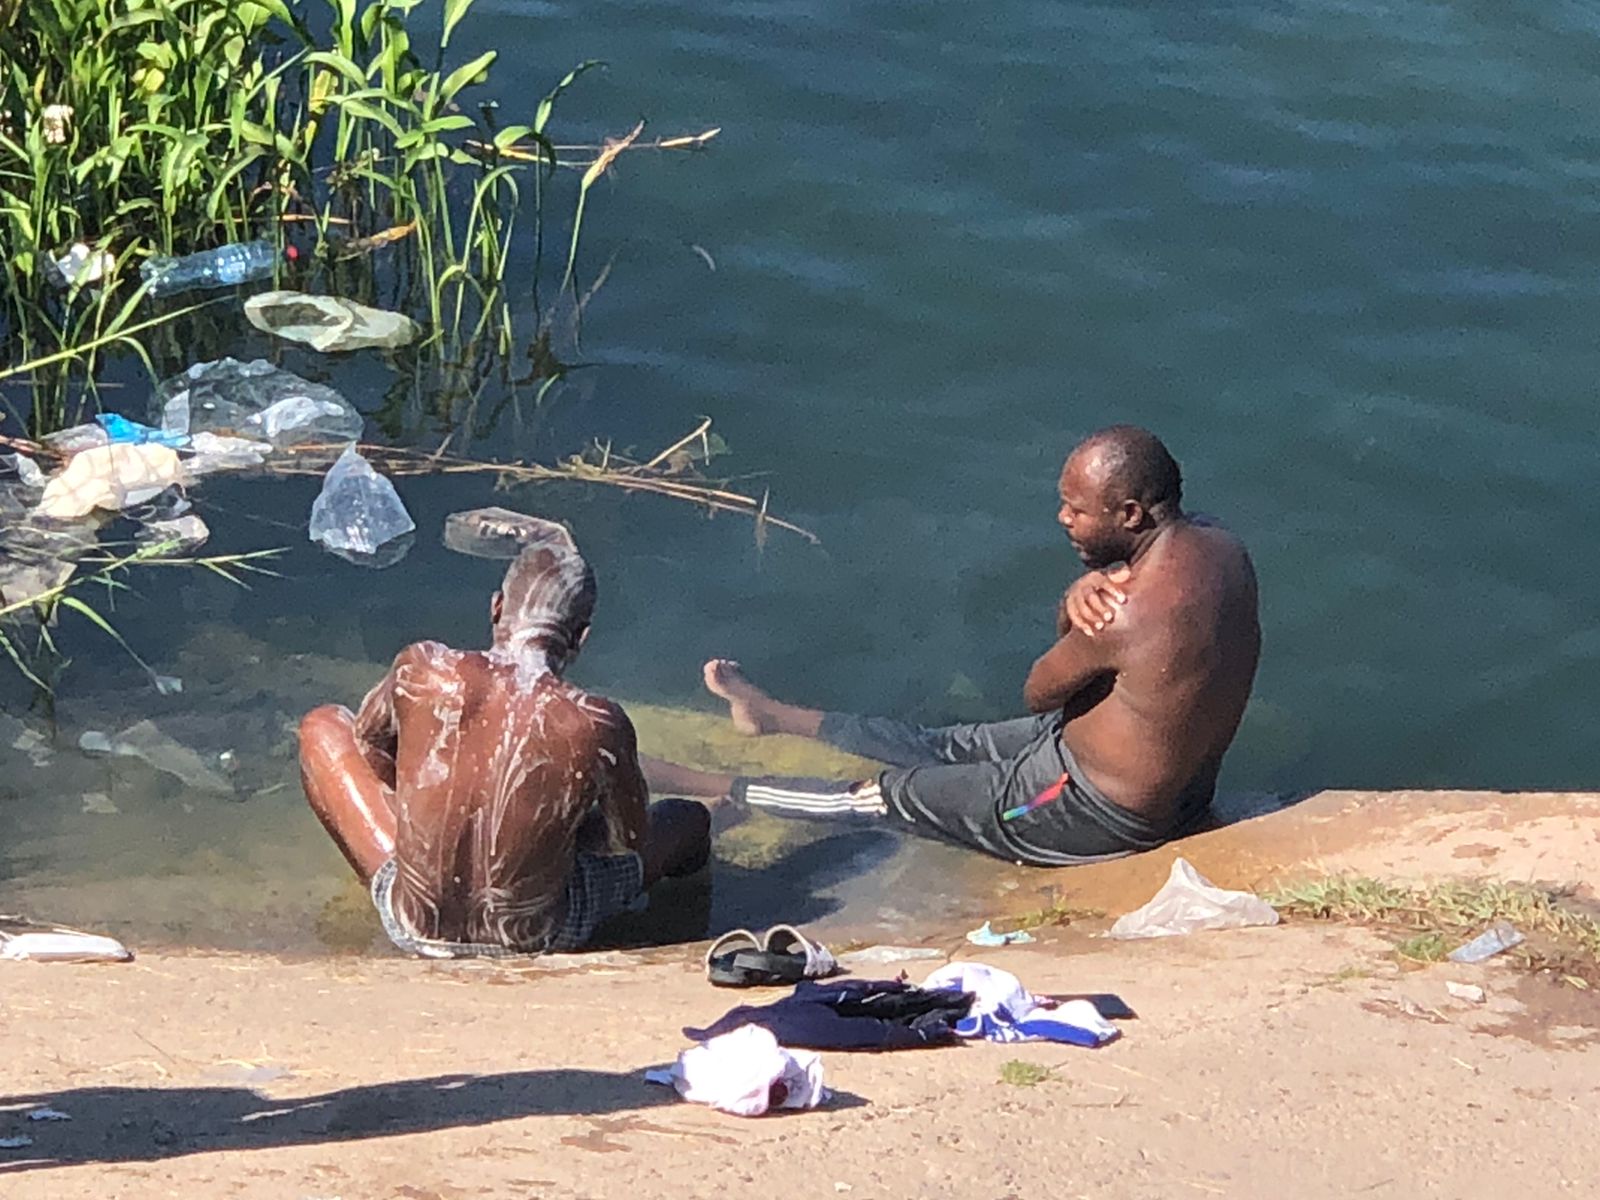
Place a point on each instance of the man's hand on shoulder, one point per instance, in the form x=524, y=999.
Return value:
x=1091, y=603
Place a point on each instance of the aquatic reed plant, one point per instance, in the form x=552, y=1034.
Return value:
x=138, y=127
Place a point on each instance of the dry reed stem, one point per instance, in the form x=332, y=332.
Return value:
x=613, y=472
x=517, y=153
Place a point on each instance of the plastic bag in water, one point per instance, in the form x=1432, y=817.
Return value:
x=358, y=512
x=1188, y=902
x=254, y=400
x=109, y=477
x=329, y=322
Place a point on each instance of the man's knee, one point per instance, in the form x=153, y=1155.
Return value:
x=325, y=732
x=686, y=819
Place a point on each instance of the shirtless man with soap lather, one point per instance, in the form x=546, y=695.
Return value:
x=492, y=807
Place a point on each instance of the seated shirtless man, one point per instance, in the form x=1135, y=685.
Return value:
x=1135, y=703
x=492, y=807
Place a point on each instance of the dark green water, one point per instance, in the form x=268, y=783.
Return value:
x=1343, y=257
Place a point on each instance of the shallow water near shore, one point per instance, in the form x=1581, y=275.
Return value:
x=1345, y=259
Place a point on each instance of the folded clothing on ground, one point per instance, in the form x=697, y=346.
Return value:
x=852, y=1014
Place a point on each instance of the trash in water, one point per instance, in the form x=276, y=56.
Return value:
x=1502, y=935
x=358, y=512
x=186, y=533
x=119, y=429
x=25, y=576
x=144, y=741
x=1470, y=992
x=493, y=532
x=109, y=477
x=746, y=1072
x=1188, y=902
x=213, y=452
x=254, y=400
x=99, y=804
x=984, y=936
x=22, y=940
x=329, y=322
x=15, y=1143
x=79, y=266
x=882, y=956
x=30, y=741
x=29, y=473
x=224, y=266
x=76, y=438
x=46, y=1113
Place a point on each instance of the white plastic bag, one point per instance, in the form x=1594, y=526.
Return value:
x=1188, y=902
x=358, y=511
x=110, y=477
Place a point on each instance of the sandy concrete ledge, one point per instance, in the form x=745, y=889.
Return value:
x=1300, y=1060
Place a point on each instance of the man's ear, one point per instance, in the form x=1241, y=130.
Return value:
x=496, y=607
x=1133, y=514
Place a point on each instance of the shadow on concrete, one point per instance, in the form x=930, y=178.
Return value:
x=145, y=1124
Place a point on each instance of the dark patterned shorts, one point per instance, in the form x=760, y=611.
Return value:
x=600, y=887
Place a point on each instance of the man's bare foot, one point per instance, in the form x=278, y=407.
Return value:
x=750, y=707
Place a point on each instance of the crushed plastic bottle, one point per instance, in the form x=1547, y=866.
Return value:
x=253, y=400
x=358, y=513
x=225, y=266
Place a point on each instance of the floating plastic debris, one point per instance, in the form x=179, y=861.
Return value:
x=358, y=512
x=253, y=400
x=143, y=740
x=329, y=322
x=108, y=477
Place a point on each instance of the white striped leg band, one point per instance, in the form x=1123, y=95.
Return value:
x=813, y=798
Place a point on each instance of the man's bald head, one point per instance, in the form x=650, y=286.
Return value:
x=548, y=594
x=1129, y=463
x=1117, y=486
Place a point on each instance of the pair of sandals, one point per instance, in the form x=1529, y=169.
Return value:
x=783, y=955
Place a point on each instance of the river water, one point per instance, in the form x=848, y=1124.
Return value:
x=1343, y=256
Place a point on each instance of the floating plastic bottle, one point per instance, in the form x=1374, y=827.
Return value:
x=223, y=267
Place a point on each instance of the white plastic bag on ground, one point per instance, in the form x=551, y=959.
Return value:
x=329, y=322
x=746, y=1072
x=110, y=477
x=1188, y=902
x=358, y=511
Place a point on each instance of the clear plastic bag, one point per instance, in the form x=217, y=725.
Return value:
x=1188, y=902
x=254, y=400
x=358, y=513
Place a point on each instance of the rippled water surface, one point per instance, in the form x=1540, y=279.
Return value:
x=1344, y=257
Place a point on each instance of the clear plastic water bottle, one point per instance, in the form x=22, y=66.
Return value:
x=222, y=267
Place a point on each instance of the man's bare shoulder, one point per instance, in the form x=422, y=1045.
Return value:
x=428, y=657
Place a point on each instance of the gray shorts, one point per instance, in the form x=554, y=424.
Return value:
x=600, y=887
x=1007, y=788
